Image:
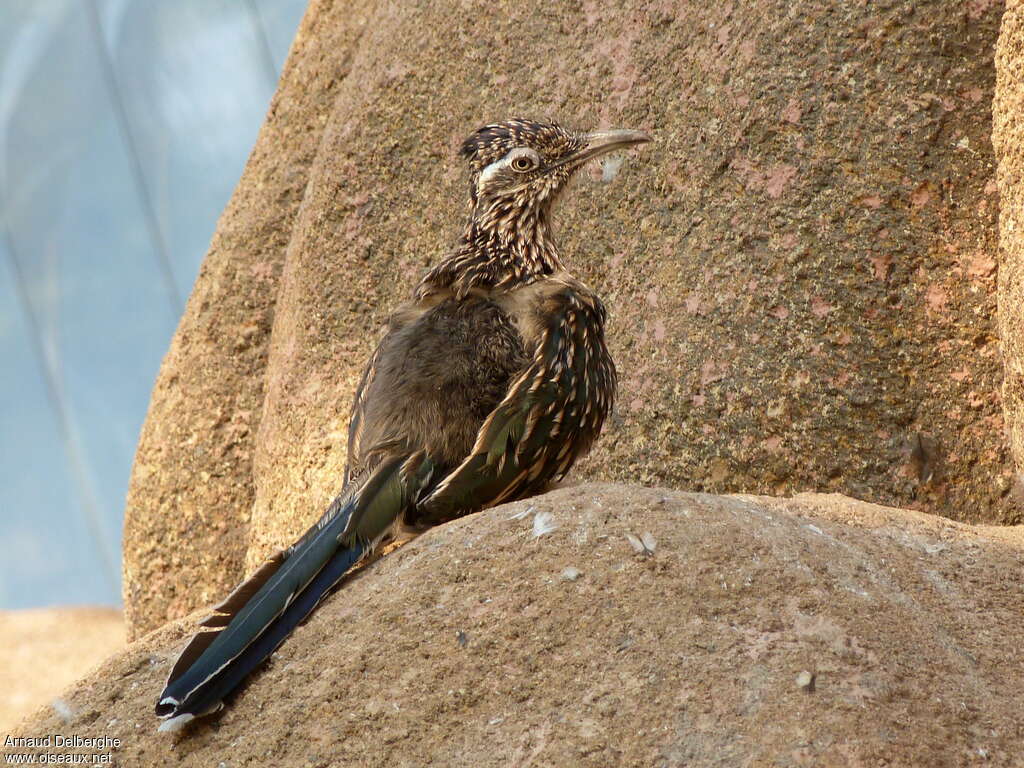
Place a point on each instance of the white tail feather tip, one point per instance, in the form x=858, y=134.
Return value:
x=176, y=723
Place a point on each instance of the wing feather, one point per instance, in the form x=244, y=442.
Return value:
x=540, y=427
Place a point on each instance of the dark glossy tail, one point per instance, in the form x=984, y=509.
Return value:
x=211, y=689
x=247, y=627
x=262, y=611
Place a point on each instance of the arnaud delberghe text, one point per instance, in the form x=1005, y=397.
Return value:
x=56, y=740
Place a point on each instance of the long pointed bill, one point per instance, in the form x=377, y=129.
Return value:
x=602, y=142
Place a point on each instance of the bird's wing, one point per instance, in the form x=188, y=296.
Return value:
x=550, y=416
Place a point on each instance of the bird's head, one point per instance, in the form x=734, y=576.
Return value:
x=518, y=169
x=520, y=164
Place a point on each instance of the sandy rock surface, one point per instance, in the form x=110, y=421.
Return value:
x=813, y=631
x=43, y=651
x=1008, y=137
x=800, y=272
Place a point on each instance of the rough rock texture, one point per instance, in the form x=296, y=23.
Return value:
x=800, y=273
x=1008, y=137
x=43, y=651
x=478, y=645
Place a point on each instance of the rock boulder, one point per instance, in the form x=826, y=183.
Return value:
x=800, y=272
x=816, y=630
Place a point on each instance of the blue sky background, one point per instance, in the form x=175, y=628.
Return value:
x=124, y=126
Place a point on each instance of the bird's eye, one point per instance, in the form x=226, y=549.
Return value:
x=523, y=163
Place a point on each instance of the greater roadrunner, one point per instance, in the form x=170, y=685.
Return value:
x=486, y=387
